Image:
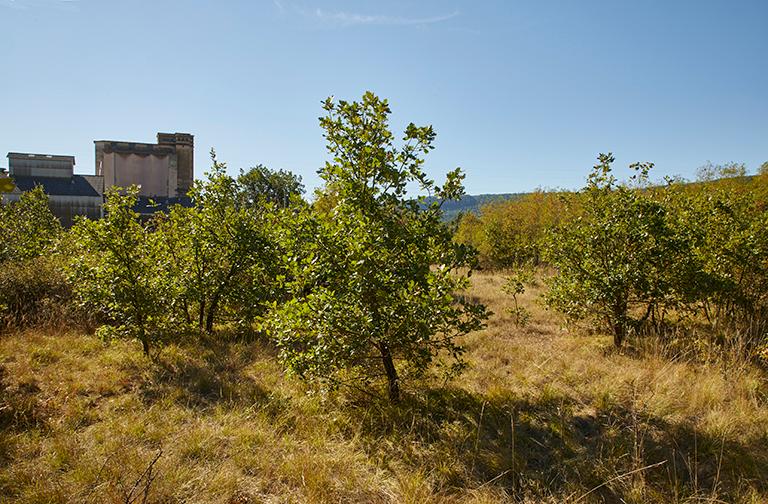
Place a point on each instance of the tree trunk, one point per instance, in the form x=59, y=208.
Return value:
x=389, y=367
x=201, y=314
x=211, y=314
x=214, y=305
x=187, y=316
x=143, y=337
x=619, y=321
x=619, y=332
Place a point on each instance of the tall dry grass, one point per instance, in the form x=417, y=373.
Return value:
x=542, y=415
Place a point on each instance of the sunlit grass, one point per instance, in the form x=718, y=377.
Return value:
x=542, y=415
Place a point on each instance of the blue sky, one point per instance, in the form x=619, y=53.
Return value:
x=521, y=94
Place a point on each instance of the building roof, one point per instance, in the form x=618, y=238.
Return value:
x=77, y=185
x=47, y=157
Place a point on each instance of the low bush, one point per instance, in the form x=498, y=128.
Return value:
x=35, y=293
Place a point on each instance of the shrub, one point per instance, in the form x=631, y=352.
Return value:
x=515, y=286
x=28, y=228
x=374, y=276
x=221, y=260
x=117, y=271
x=35, y=292
x=726, y=227
x=613, y=260
x=33, y=288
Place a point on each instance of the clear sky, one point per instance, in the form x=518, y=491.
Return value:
x=521, y=94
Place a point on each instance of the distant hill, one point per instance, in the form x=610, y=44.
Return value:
x=472, y=203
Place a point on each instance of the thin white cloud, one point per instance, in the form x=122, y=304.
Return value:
x=343, y=19
x=26, y=4
x=351, y=19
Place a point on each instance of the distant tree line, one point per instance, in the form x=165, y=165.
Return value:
x=469, y=203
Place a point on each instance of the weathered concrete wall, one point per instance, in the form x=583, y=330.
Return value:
x=40, y=165
x=186, y=170
x=66, y=208
x=69, y=195
x=153, y=173
x=184, y=145
x=42, y=172
x=164, y=169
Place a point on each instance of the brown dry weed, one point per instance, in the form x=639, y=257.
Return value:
x=543, y=414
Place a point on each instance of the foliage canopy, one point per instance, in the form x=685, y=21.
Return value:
x=375, y=293
x=28, y=228
x=613, y=258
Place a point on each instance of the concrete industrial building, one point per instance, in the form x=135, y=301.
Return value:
x=163, y=171
x=69, y=195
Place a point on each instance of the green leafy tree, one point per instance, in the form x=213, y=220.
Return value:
x=375, y=278
x=221, y=260
x=117, y=270
x=33, y=289
x=727, y=229
x=28, y=228
x=260, y=184
x=613, y=260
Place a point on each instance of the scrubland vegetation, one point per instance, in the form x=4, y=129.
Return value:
x=256, y=347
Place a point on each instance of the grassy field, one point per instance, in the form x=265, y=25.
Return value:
x=542, y=415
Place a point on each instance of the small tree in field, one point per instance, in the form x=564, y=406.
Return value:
x=515, y=286
x=614, y=260
x=221, y=261
x=375, y=277
x=28, y=228
x=117, y=271
x=32, y=287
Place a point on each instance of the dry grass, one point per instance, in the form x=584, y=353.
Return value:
x=542, y=415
